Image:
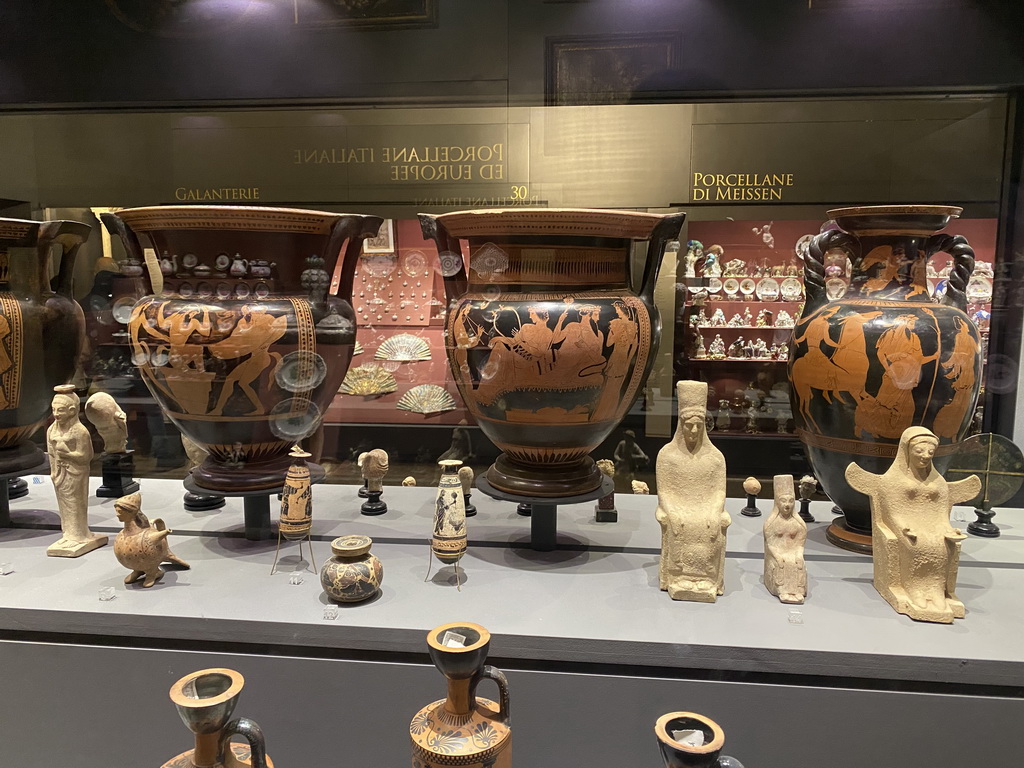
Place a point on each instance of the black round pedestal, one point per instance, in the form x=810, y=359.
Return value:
x=5, y=485
x=256, y=504
x=544, y=511
x=984, y=526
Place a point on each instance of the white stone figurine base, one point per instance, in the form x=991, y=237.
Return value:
x=65, y=548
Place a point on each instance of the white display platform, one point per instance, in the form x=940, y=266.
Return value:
x=595, y=601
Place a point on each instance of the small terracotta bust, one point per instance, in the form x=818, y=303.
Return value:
x=409, y=482
x=110, y=421
x=916, y=552
x=691, y=504
x=141, y=547
x=640, y=488
x=785, y=536
x=374, y=465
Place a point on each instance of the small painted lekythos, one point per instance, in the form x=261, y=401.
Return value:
x=296, y=520
x=142, y=546
x=463, y=729
x=916, y=552
x=785, y=535
x=691, y=504
x=448, y=543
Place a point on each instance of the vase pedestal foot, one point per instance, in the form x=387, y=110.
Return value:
x=846, y=537
x=550, y=482
x=543, y=512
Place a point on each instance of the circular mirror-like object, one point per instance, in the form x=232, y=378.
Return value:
x=159, y=357
x=792, y=289
x=301, y=371
x=185, y=290
x=379, y=264
x=122, y=309
x=450, y=263
x=835, y=288
x=139, y=358
x=802, y=245
x=223, y=290
x=261, y=290
x=414, y=263
x=747, y=286
x=294, y=419
x=996, y=460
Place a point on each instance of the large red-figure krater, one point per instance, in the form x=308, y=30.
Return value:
x=244, y=375
x=546, y=339
x=884, y=356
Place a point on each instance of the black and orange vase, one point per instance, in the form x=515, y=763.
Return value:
x=205, y=701
x=42, y=330
x=462, y=729
x=884, y=356
x=689, y=740
x=546, y=339
x=244, y=370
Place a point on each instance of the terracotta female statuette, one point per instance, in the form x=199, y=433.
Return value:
x=916, y=552
x=691, y=504
x=69, y=445
x=141, y=547
x=785, y=535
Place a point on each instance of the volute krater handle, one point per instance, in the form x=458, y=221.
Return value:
x=252, y=733
x=69, y=235
x=963, y=266
x=455, y=284
x=489, y=672
x=665, y=231
x=814, y=266
x=351, y=229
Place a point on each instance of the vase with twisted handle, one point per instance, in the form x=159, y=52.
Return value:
x=885, y=356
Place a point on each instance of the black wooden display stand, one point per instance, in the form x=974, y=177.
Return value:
x=9, y=489
x=544, y=511
x=118, y=471
x=256, y=504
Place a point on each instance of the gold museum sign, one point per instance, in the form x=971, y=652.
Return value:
x=485, y=162
x=739, y=187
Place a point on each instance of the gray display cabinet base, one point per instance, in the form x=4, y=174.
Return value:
x=593, y=650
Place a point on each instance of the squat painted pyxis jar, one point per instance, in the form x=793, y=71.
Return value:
x=884, y=356
x=352, y=574
x=545, y=337
x=244, y=377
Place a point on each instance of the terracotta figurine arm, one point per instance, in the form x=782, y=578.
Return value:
x=964, y=490
x=78, y=448
x=860, y=479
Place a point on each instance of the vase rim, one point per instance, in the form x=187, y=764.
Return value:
x=181, y=699
x=434, y=637
x=661, y=731
x=586, y=222
x=237, y=217
x=951, y=211
x=353, y=545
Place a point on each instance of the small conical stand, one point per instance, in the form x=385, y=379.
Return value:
x=751, y=509
x=374, y=506
x=984, y=526
x=308, y=538
x=454, y=564
x=805, y=511
x=544, y=511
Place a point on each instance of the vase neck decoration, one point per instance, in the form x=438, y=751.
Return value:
x=889, y=248
x=459, y=651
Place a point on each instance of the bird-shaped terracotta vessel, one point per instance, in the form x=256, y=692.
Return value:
x=142, y=547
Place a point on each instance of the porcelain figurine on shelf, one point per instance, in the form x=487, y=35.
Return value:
x=736, y=348
x=784, y=320
x=118, y=462
x=724, y=420
x=697, y=350
x=751, y=487
x=691, y=504
x=717, y=348
x=783, y=353
x=916, y=552
x=694, y=251
x=735, y=268
x=604, y=510
x=736, y=321
x=141, y=547
x=69, y=445
x=717, y=319
x=374, y=465
x=785, y=536
x=764, y=319
x=700, y=319
x=760, y=349
x=808, y=485
x=748, y=319
x=713, y=261
x=782, y=424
